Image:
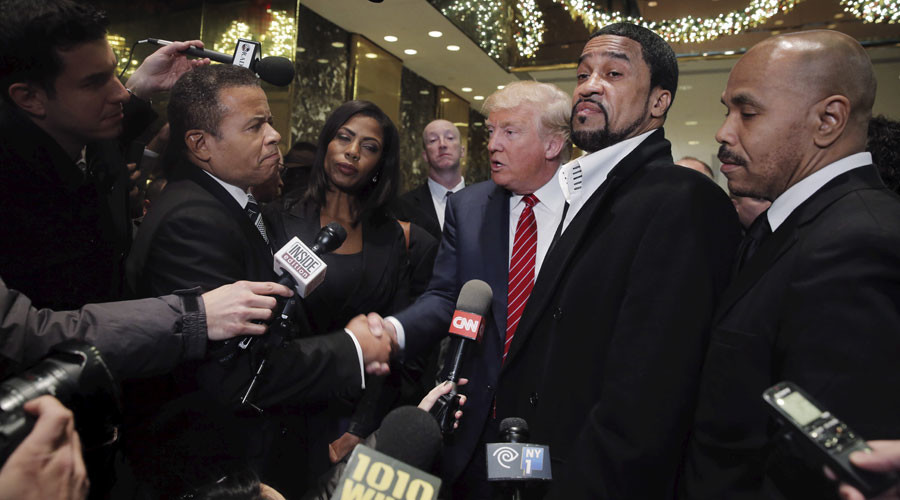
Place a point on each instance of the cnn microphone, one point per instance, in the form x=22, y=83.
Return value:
x=406, y=446
x=516, y=462
x=273, y=69
x=466, y=328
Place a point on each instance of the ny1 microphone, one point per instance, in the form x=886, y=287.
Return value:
x=406, y=446
x=273, y=69
x=514, y=461
x=466, y=328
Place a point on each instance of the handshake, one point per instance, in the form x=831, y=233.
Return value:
x=377, y=339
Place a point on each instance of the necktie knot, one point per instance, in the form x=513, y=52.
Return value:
x=252, y=210
x=530, y=200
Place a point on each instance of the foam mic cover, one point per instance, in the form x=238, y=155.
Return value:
x=275, y=70
x=514, y=430
x=330, y=238
x=410, y=435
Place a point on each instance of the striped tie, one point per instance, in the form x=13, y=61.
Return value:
x=252, y=210
x=521, y=269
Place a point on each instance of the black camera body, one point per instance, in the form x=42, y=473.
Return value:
x=75, y=374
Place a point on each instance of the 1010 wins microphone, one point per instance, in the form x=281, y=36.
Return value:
x=514, y=461
x=466, y=328
x=273, y=69
x=406, y=446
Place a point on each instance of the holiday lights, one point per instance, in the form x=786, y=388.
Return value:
x=490, y=29
x=686, y=29
x=531, y=28
x=874, y=11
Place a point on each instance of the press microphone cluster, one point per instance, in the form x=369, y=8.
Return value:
x=273, y=69
x=466, y=329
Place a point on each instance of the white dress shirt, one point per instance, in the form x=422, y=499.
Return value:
x=580, y=178
x=546, y=213
x=795, y=195
x=439, y=196
x=241, y=197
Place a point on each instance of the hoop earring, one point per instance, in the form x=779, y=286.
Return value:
x=375, y=178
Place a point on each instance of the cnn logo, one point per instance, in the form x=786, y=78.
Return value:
x=465, y=324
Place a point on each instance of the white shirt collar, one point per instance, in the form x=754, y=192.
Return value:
x=237, y=193
x=795, y=195
x=586, y=174
x=549, y=194
x=439, y=192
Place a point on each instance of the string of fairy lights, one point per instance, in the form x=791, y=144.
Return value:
x=491, y=31
x=874, y=11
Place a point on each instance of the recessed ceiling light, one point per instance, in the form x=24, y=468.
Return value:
x=371, y=55
x=322, y=61
x=705, y=54
x=466, y=89
x=411, y=52
x=337, y=45
x=832, y=26
x=424, y=92
x=729, y=52
x=479, y=98
x=435, y=34
x=686, y=87
x=301, y=49
x=779, y=22
x=477, y=124
x=445, y=99
x=693, y=143
x=652, y=4
x=453, y=48
x=500, y=87
x=776, y=32
x=691, y=123
x=839, y=15
x=390, y=38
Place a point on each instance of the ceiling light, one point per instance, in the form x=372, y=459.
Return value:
x=390, y=38
x=445, y=99
x=839, y=15
x=832, y=26
x=686, y=87
x=371, y=55
x=729, y=52
x=479, y=98
x=453, y=48
x=466, y=89
x=435, y=34
x=691, y=123
x=322, y=61
x=652, y=4
x=693, y=143
x=779, y=22
x=500, y=87
x=337, y=45
x=776, y=32
x=301, y=50
x=410, y=52
x=424, y=92
x=477, y=124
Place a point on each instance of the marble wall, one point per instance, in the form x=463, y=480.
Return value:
x=322, y=71
x=479, y=161
x=417, y=109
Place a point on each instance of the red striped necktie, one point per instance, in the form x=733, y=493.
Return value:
x=521, y=269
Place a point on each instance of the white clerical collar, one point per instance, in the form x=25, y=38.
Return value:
x=237, y=193
x=795, y=195
x=439, y=192
x=586, y=174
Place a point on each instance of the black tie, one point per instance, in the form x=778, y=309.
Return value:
x=252, y=210
x=758, y=232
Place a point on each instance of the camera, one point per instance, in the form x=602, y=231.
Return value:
x=75, y=374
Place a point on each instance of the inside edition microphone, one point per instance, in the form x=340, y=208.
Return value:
x=273, y=69
x=514, y=461
x=406, y=446
x=466, y=328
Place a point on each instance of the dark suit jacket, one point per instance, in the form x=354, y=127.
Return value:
x=606, y=359
x=65, y=234
x=817, y=304
x=416, y=206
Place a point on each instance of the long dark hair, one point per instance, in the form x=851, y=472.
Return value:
x=373, y=198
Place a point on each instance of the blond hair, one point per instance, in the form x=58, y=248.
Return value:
x=555, y=106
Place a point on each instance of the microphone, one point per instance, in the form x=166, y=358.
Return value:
x=466, y=327
x=301, y=267
x=406, y=446
x=273, y=69
x=514, y=461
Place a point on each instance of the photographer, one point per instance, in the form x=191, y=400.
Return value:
x=137, y=337
x=48, y=463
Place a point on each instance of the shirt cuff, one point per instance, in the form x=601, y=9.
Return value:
x=401, y=335
x=362, y=368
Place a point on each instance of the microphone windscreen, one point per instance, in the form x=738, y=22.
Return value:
x=275, y=70
x=410, y=435
x=338, y=231
x=510, y=423
x=475, y=297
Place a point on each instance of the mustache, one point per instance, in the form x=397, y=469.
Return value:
x=596, y=103
x=726, y=156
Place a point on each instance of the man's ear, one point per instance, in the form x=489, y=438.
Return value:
x=553, y=146
x=831, y=117
x=197, y=145
x=425, y=156
x=29, y=98
x=660, y=100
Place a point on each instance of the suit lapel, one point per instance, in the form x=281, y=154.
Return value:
x=424, y=201
x=495, y=255
x=585, y=222
x=788, y=233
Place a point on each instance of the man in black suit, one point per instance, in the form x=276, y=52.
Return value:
x=425, y=204
x=65, y=119
x=816, y=296
x=203, y=231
